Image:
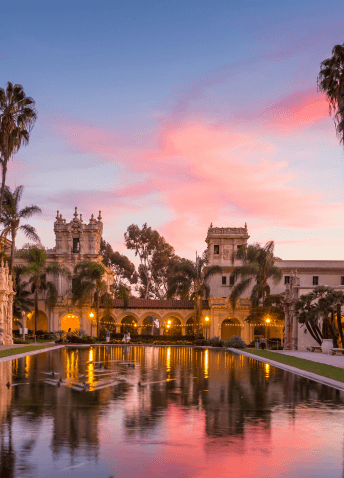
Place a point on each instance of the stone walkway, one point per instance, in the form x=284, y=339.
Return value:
x=335, y=360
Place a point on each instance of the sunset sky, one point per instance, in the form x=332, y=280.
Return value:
x=180, y=113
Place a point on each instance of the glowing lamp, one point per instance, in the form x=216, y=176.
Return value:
x=91, y=315
x=169, y=322
x=268, y=321
x=207, y=319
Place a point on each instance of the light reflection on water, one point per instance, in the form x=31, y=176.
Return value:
x=202, y=413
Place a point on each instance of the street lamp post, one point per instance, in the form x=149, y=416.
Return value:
x=206, y=327
x=267, y=331
x=91, y=317
x=23, y=323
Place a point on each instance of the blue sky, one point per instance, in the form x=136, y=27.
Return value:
x=179, y=114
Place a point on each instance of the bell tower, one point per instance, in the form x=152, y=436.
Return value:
x=76, y=237
x=222, y=242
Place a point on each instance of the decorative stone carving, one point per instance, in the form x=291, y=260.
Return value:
x=227, y=251
x=6, y=305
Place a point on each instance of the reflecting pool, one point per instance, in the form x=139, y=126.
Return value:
x=196, y=413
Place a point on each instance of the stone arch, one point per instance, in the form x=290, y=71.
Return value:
x=172, y=325
x=70, y=321
x=42, y=322
x=230, y=327
x=151, y=324
x=107, y=322
x=129, y=323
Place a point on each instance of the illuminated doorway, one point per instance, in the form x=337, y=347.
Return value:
x=70, y=321
x=230, y=327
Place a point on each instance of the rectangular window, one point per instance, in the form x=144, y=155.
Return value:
x=76, y=244
x=286, y=279
x=216, y=249
x=231, y=280
x=74, y=284
x=342, y=280
x=239, y=247
x=224, y=280
x=315, y=280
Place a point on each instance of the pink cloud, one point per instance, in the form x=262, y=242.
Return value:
x=296, y=111
x=203, y=172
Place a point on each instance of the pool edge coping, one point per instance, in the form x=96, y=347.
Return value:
x=297, y=371
x=33, y=352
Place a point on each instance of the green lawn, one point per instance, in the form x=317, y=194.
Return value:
x=22, y=350
x=329, y=371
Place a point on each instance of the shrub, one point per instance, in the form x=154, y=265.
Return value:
x=86, y=339
x=215, y=342
x=235, y=342
x=21, y=341
x=201, y=342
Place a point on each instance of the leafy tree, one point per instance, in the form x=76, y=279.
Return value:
x=320, y=307
x=164, y=261
x=331, y=82
x=17, y=118
x=257, y=266
x=124, y=269
x=12, y=217
x=146, y=243
x=38, y=271
x=22, y=301
x=189, y=281
x=89, y=285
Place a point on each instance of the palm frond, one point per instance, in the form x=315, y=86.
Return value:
x=238, y=290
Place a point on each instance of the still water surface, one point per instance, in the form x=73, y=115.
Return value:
x=197, y=413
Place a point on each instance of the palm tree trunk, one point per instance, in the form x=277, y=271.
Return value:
x=12, y=251
x=311, y=331
x=4, y=170
x=36, y=309
x=97, y=312
x=333, y=329
x=339, y=323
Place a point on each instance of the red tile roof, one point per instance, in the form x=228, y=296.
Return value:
x=158, y=304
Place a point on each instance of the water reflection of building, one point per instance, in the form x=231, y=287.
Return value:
x=5, y=392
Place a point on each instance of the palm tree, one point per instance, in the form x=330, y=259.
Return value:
x=21, y=300
x=331, y=82
x=189, y=281
x=257, y=266
x=11, y=218
x=89, y=285
x=38, y=270
x=17, y=118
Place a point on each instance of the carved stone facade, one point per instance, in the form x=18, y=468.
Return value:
x=6, y=305
x=76, y=237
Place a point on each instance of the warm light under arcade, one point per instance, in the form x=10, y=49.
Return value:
x=70, y=321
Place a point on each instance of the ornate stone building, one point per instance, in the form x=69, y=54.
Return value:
x=77, y=241
x=299, y=277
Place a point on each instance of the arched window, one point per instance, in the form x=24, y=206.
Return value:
x=129, y=324
x=150, y=326
x=173, y=326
